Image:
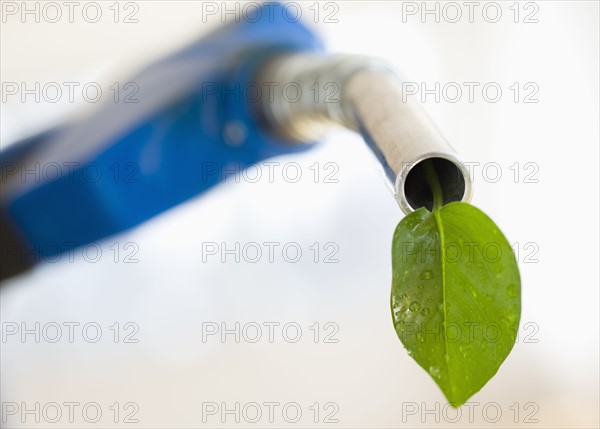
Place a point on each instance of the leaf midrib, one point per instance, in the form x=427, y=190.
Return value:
x=440, y=228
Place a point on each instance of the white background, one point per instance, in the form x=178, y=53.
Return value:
x=171, y=292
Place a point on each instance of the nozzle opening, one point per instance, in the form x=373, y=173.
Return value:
x=418, y=192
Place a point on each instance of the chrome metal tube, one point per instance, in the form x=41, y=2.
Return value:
x=312, y=93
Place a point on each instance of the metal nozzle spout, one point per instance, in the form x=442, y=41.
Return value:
x=365, y=95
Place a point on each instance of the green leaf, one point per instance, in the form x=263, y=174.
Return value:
x=456, y=295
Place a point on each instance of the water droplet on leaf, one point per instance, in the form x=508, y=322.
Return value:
x=415, y=306
x=434, y=371
x=511, y=291
x=426, y=275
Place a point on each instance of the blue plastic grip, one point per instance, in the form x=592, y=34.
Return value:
x=168, y=152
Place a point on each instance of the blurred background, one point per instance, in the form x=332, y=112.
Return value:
x=164, y=325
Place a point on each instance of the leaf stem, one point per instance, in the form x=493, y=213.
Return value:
x=434, y=183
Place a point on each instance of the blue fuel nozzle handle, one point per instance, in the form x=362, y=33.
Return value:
x=193, y=124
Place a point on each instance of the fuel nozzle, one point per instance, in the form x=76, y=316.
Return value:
x=366, y=95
